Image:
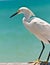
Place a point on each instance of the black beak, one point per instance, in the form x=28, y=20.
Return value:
x=14, y=14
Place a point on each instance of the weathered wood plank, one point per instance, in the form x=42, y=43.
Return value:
x=29, y=63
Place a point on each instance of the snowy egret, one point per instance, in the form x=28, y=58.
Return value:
x=39, y=27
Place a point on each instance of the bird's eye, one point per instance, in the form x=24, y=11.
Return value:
x=18, y=11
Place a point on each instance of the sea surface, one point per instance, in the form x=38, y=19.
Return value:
x=17, y=44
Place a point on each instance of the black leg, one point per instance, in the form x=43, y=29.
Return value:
x=48, y=57
x=42, y=50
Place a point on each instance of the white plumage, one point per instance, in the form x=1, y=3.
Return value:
x=40, y=28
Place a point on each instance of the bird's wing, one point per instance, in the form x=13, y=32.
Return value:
x=44, y=28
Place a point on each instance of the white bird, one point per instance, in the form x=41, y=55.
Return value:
x=37, y=26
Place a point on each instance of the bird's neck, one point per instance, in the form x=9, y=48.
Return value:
x=26, y=16
x=29, y=19
x=29, y=15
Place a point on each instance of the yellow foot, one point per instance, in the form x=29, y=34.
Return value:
x=37, y=61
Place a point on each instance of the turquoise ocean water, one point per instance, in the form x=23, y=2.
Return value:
x=17, y=44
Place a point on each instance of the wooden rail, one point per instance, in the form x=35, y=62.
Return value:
x=29, y=63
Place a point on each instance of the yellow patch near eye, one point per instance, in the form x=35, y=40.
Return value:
x=18, y=11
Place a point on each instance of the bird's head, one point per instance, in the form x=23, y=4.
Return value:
x=27, y=12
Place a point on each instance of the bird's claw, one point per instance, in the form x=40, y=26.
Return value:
x=37, y=61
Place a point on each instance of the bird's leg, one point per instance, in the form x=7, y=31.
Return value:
x=48, y=57
x=41, y=50
x=46, y=62
x=40, y=54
